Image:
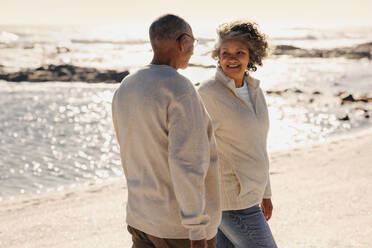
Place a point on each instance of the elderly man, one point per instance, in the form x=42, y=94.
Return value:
x=167, y=147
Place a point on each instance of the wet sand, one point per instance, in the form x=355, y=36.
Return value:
x=321, y=197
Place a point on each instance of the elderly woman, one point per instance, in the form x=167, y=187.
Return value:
x=239, y=113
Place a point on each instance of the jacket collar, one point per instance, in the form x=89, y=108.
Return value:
x=220, y=76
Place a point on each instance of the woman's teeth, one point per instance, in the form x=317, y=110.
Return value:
x=233, y=66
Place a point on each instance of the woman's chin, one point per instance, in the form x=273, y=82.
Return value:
x=234, y=74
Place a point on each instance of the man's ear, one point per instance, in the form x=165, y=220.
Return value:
x=182, y=43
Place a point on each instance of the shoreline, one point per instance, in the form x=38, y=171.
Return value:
x=86, y=185
x=320, y=197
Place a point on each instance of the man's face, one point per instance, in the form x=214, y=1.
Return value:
x=186, y=41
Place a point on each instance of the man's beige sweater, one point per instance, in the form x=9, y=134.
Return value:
x=241, y=133
x=168, y=154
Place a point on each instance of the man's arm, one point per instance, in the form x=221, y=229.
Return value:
x=189, y=158
x=113, y=113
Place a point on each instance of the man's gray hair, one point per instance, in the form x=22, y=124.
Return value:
x=167, y=27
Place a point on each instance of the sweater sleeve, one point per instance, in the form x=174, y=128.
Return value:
x=267, y=193
x=189, y=158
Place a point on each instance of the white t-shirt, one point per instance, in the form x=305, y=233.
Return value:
x=244, y=94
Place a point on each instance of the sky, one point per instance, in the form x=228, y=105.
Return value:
x=273, y=12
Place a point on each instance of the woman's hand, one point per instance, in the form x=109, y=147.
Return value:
x=267, y=208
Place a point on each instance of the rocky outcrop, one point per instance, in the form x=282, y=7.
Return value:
x=281, y=92
x=344, y=118
x=349, y=99
x=356, y=52
x=202, y=66
x=65, y=73
x=365, y=47
x=344, y=98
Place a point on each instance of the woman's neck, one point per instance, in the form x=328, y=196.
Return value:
x=239, y=82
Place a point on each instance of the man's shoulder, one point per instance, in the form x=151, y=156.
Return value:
x=159, y=80
x=158, y=73
x=140, y=72
x=170, y=80
x=180, y=86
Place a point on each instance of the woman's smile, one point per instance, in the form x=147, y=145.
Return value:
x=233, y=66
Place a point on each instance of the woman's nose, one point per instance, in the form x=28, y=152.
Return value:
x=232, y=57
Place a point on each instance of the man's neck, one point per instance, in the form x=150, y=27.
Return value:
x=169, y=62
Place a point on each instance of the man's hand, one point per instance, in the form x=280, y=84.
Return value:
x=267, y=208
x=198, y=243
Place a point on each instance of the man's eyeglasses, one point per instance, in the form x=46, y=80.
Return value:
x=195, y=41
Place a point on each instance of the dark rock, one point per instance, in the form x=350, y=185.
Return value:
x=201, y=66
x=17, y=77
x=62, y=49
x=40, y=76
x=317, y=93
x=344, y=118
x=65, y=73
x=350, y=98
x=358, y=55
x=277, y=92
x=297, y=91
x=347, y=99
x=280, y=92
x=287, y=47
x=29, y=46
x=365, y=47
x=289, y=50
x=364, y=99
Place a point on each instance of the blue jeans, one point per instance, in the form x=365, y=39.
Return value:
x=245, y=228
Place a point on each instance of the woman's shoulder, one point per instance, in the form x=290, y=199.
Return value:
x=209, y=86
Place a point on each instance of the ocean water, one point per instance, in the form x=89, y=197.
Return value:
x=55, y=135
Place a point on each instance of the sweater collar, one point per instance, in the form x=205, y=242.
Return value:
x=220, y=76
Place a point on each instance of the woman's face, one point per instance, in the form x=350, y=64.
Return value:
x=234, y=58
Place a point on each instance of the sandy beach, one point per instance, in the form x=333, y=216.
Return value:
x=321, y=197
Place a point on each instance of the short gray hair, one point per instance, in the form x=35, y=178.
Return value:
x=167, y=27
x=248, y=33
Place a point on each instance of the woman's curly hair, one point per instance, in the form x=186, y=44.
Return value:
x=247, y=32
